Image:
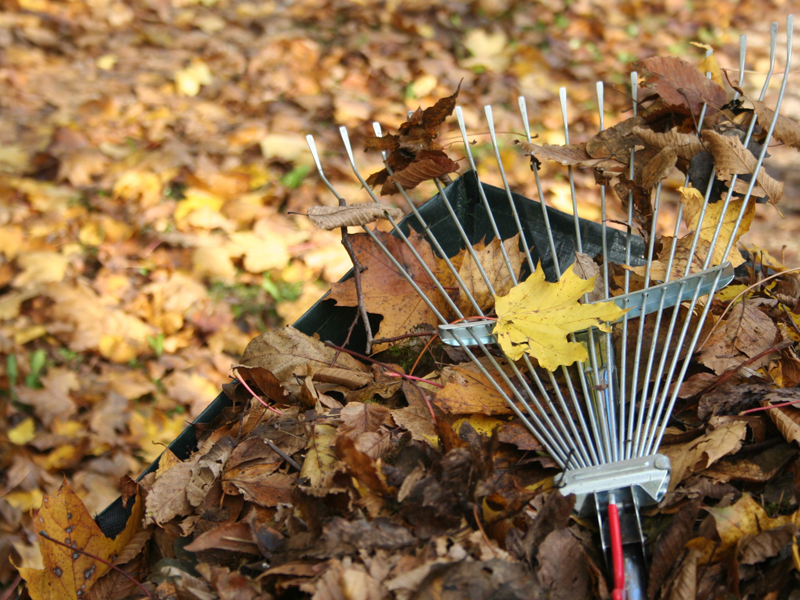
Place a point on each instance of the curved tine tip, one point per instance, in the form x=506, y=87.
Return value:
x=376, y=127
x=562, y=96
x=312, y=146
x=460, y=118
x=346, y=140
x=523, y=111
x=742, y=56
x=489, y=119
x=635, y=84
x=601, y=104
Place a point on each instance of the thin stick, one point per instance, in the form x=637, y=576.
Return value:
x=405, y=336
x=483, y=533
x=11, y=589
x=45, y=536
x=283, y=455
x=408, y=378
x=731, y=372
x=249, y=389
x=427, y=347
x=362, y=309
x=739, y=295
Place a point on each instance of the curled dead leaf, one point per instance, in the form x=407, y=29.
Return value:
x=332, y=217
x=685, y=145
x=786, y=130
x=681, y=84
x=732, y=158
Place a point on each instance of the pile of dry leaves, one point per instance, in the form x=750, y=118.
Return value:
x=404, y=476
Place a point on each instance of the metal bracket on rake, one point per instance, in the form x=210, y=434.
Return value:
x=647, y=476
x=650, y=300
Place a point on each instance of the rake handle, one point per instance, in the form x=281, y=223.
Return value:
x=617, y=560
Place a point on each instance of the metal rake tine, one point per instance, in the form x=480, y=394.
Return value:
x=587, y=451
x=627, y=282
x=584, y=451
x=617, y=431
x=562, y=96
x=468, y=153
x=546, y=219
x=650, y=400
x=545, y=215
x=537, y=428
x=400, y=234
x=368, y=231
x=430, y=237
x=693, y=343
x=548, y=426
x=598, y=420
x=526, y=247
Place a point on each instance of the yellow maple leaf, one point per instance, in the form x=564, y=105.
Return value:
x=537, y=316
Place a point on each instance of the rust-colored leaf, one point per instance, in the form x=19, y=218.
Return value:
x=786, y=130
x=732, y=158
x=429, y=164
x=681, y=84
x=386, y=290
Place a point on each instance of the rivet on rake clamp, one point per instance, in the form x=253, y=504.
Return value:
x=601, y=421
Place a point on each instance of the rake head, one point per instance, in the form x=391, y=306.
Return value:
x=602, y=420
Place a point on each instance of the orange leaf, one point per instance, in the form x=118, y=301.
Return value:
x=63, y=517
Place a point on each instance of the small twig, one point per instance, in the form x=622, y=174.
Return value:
x=426, y=348
x=405, y=336
x=11, y=589
x=283, y=455
x=380, y=364
x=362, y=309
x=740, y=294
x=483, y=533
x=770, y=407
x=249, y=389
x=791, y=320
x=731, y=372
x=408, y=378
x=45, y=536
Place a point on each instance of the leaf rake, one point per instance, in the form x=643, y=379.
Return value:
x=601, y=419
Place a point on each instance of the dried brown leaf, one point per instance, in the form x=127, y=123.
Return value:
x=786, y=130
x=434, y=116
x=680, y=83
x=586, y=268
x=786, y=418
x=756, y=548
x=684, y=586
x=386, y=290
x=428, y=164
x=685, y=145
x=332, y=217
x=732, y=158
x=572, y=155
x=670, y=545
x=696, y=455
x=659, y=167
x=616, y=142
x=746, y=332
x=468, y=391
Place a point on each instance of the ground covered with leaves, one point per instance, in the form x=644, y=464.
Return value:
x=151, y=155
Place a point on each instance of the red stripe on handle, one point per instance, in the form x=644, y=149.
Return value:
x=616, y=552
